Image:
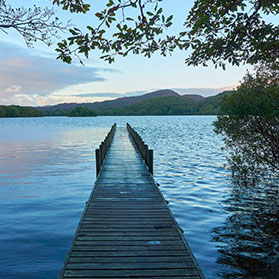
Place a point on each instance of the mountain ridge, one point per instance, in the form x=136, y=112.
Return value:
x=118, y=102
x=161, y=102
x=170, y=105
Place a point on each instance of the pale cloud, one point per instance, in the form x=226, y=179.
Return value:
x=27, y=78
x=31, y=78
x=13, y=88
x=27, y=100
x=104, y=94
x=203, y=91
x=111, y=94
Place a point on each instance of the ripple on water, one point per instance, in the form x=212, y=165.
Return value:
x=47, y=172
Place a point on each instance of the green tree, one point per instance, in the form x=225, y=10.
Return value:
x=33, y=24
x=18, y=111
x=81, y=111
x=234, y=31
x=249, y=123
x=216, y=30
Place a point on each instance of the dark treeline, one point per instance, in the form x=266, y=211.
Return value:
x=170, y=105
x=81, y=112
x=19, y=111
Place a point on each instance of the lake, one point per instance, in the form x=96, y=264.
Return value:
x=47, y=171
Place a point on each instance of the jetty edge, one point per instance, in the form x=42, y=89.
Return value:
x=127, y=229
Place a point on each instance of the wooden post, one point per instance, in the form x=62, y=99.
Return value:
x=106, y=144
x=150, y=153
x=102, y=152
x=97, y=157
x=146, y=154
x=141, y=146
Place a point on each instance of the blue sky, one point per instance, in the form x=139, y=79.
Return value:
x=35, y=77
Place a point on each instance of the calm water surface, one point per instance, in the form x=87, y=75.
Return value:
x=47, y=170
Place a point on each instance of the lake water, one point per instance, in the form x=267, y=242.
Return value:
x=47, y=170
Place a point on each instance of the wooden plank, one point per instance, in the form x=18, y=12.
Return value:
x=127, y=226
x=124, y=234
x=125, y=222
x=128, y=248
x=107, y=260
x=128, y=238
x=131, y=213
x=127, y=229
x=123, y=230
x=130, y=273
x=130, y=243
x=142, y=266
x=111, y=217
x=129, y=253
x=153, y=277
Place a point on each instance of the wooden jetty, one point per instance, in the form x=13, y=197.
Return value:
x=127, y=229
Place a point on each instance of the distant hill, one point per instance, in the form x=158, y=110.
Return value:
x=60, y=109
x=161, y=102
x=171, y=105
x=81, y=112
x=194, y=97
x=211, y=105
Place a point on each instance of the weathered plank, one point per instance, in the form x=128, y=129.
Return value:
x=128, y=248
x=130, y=253
x=127, y=229
x=177, y=277
x=137, y=265
x=125, y=273
x=107, y=260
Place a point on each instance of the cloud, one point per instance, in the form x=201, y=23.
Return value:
x=111, y=94
x=14, y=88
x=24, y=74
x=202, y=91
x=105, y=95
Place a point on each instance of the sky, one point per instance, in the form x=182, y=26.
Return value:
x=33, y=76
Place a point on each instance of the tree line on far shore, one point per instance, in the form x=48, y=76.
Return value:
x=248, y=120
x=19, y=111
x=170, y=105
x=25, y=111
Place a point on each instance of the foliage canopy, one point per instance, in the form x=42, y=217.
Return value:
x=214, y=30
x=81, y=112
x=218, y=31
x=33, y=24
x=249, y=123
x=18, y=111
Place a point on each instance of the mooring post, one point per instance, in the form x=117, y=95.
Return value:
x=146, y=154
x=150, y=153
x=101, y=152
x=97, y=155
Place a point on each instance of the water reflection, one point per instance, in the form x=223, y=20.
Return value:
x=249, y=239
x=47, y=172
x=46, y=175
